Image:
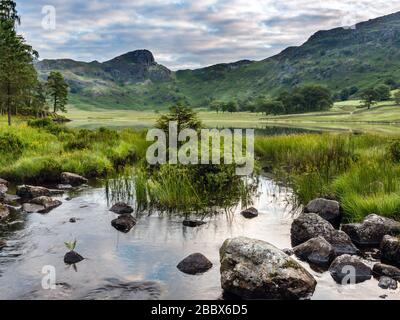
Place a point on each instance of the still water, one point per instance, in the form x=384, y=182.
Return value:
x=142, y=263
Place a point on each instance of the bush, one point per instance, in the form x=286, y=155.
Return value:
x=48, y=125
x=10, y=144
x=394, y=150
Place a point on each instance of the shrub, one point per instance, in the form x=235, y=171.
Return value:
x=10, y=144
x=394, y=150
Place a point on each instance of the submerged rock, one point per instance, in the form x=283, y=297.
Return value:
x=348, y=269
x=72, y=220
x=124, y=223
x=311, y=225
x=30, y=192
x=72, y=179
x=387, y=283
x=194, y=264
x=381, y=269
x=121, y=208
x=193, y=223
x=4, y=212
x=390, y=250
x=254, y=269
x=316, y=251
x=326, y=209
x=72, y=257
x=47, y=202
x=250, y=213
x=372, y=230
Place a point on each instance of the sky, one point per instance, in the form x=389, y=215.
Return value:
x=185, y=34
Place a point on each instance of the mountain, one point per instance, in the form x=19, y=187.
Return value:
x=365, y=55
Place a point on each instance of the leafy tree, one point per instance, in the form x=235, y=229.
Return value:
x=8, y=12
x=232, y=106
x=216, y=106
x=271, y=106
x=397, y=97
x=369, y=97
x=383, y=92
x=58, y=91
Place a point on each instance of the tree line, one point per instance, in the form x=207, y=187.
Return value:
x=21, y=91
x=299, y=100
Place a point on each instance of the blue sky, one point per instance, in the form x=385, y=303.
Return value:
x=187, y=34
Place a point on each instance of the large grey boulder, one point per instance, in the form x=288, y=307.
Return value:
x=347, y=269
x=194, y=264
x=386, y=270
x=124, y=223
x=372, y=230
x=326, y=209
x=72, y=179
x=390, y=250
x=316, y=251
x=32, y=208
x=311, y=225
x=4, y=212
x=30, y=192
x=254, y=269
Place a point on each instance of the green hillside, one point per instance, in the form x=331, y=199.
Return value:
x=339, y=58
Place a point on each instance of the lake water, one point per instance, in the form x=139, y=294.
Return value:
x=142, y=263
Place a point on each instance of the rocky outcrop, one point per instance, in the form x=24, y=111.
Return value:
x=254, y=269
x=124, y=223
x=387, y=283
x=194, y=264
x=347, y=269
x=326, y=209
x=386, y=270
x=72, y=257
x=390, y=250
x=4, y=212
x=316, y=251
x=193, y=223
x=121, y=208
x=47, y=203
x=372, y=230
x=250, y=213
x=73, y=179
x=311, y=225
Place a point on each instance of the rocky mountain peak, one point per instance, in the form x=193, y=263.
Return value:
x=142, y=57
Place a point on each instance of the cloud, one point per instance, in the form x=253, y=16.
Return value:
x=187, y=34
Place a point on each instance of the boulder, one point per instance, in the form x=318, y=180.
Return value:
x=30, y=192
x=72, y=179
x=326, y=209
x=47, y=202
x=194, y=264
x=3, y=188
x=4, y=212
x=250, y=213
x=72, y=257
x=347, y=269
x=32, y=208
x=5, y=182
x=316, y=251
x=121, y=208
x=9, y=199
x=390, y=250
x=124, y=223
x=372, y=230
x=3, y=243
x=193, y=223
x=311, y=225
x=387, y=283
x=254, y=269
x=386, y=270
x=72, y=220
x=13, y=209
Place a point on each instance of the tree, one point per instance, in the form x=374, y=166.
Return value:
x=369, y=97
x=16, y=61
x=232, y=106
x=397, y=97
x=271, y=106
x=58, y=91
x=216, y=106
x=184, y=116
x=383, y=92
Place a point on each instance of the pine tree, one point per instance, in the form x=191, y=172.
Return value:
x=58, y=91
